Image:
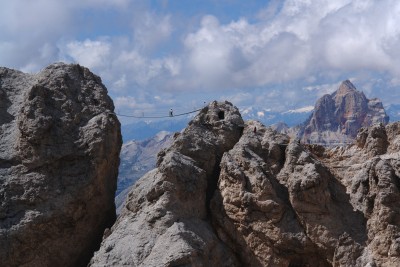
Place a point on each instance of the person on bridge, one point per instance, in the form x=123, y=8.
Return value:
x=171, y=113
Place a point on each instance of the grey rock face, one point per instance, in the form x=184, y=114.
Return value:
x=370, y=172
x=166, y=221
x=338, y=117
x=232, y=194
x=280, y=203
x=59, y=157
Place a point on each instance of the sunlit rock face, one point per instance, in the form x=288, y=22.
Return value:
x=338, y=117
x=59, y=157
x=234, y=193
x=166, y=220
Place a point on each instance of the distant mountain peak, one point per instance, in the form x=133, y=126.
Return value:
x=338, y=117
x=345, y=88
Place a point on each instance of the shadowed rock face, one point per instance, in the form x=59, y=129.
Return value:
x=338, y=117
x=232, y=194
x=59, y=156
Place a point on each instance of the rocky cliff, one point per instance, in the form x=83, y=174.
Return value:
x=337, y=117
x=59, y=148
x=280, y=203
x=228, y=193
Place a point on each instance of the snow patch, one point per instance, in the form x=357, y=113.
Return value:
x=161, y=136
x=301, y=110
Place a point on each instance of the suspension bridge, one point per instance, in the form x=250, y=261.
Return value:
x=170, y=115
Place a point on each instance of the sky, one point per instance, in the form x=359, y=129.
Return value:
x=154, y=55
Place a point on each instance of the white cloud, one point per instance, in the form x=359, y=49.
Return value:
x=301, y=110
x=150, y=29
x=120, y=83
x=30, y=31
x=92, y=54
x=296, y=50
x=131, y=102
x=322, y=89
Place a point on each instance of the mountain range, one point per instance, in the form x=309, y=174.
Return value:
x=137, y=158
x=140, y=130
x=335, y=120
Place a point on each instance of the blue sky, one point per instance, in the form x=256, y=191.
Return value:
x=158, y=54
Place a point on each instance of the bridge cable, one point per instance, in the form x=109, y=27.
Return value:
x=157, y=117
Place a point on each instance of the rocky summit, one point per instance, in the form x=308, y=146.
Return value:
x=166, y=220
x=337, y=117
x=234, y=193
x=59, y=157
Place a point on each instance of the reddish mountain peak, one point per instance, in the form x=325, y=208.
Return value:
x=338, y=117
x=345, y=88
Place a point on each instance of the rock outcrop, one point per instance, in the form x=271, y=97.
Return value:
x=166, y=219
x=228, y=193
x=280, y=203
x=337, y=117
x=59, y=157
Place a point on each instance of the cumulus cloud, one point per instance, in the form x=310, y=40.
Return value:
x=292, y=51
x=30, y=31
x=93, y=54
x=304, y=38
x=150, y=29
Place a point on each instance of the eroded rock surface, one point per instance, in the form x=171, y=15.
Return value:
x=59, y=156
x=166, y=220
x=228, y=193
x=252, y=210
x=280, y=203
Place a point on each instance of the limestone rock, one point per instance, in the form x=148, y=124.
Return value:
x=166, y=220
x=280, y=204
x=251, y=209
x=59, y=156
x=338, y=117
x=371, y=174
x=229, y=193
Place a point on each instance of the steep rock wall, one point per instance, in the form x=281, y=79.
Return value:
x=280, y=203
x=166, y=220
